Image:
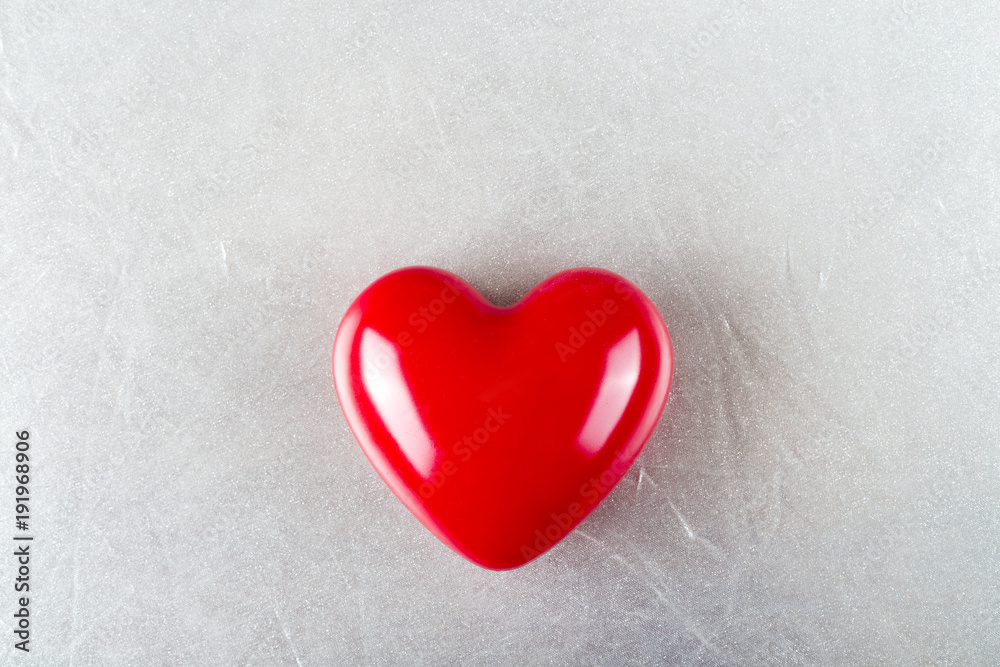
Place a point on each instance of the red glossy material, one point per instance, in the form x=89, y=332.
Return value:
x=502, y=428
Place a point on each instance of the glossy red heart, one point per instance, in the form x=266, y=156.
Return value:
x=502, y=428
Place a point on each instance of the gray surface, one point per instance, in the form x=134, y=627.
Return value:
x=192, y=193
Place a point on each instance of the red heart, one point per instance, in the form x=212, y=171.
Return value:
x=501, y=428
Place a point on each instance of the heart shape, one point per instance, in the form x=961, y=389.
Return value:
x=502, y=428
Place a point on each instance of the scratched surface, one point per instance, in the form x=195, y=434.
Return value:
x=191, y=193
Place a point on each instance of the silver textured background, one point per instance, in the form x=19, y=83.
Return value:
x=191, y=193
